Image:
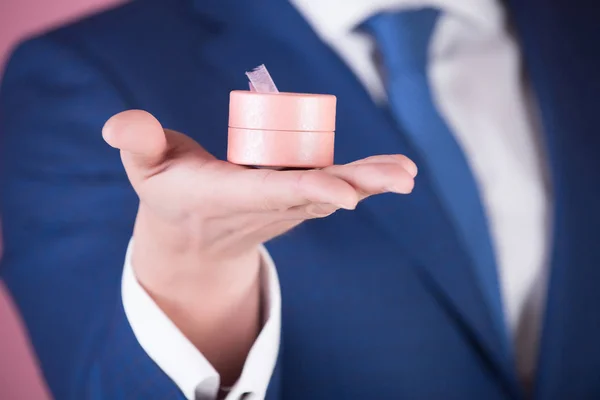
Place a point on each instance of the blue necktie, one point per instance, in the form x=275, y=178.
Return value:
x=403, y=40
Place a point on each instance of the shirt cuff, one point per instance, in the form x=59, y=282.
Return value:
x=179, y=359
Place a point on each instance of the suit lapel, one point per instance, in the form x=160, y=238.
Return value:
x=420, y=224
x=563, y=59
x=278, y=37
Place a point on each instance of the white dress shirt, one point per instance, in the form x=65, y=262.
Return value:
x=180, y=359
x=475, y=73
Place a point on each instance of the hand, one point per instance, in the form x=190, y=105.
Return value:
x=201, y=220
x=225, y=210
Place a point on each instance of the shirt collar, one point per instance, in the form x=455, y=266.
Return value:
x=335, y=18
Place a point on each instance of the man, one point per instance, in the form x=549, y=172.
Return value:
x=480, y=284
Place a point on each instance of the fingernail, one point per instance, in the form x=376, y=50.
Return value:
x=321, y=210
x=399, y=189
x=346, y=206
x=412, y=169
x=106, y=135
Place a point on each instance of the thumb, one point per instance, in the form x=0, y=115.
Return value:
x=139, y=136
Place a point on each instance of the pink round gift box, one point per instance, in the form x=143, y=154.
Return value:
x=293, y=130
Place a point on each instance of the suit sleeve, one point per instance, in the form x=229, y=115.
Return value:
x=67, y=213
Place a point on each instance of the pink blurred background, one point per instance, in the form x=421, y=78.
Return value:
x=19, y=375
x=19, y=18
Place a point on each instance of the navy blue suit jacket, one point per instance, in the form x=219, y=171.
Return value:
x=380, y=303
